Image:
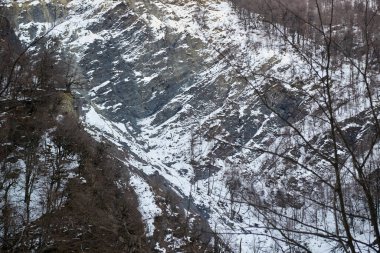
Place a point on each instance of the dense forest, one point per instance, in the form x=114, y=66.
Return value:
x=353, y=24
x=56, y=181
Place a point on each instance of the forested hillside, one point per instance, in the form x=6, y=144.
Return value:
x=57, y=184
x=190, y=126
x=339, y=43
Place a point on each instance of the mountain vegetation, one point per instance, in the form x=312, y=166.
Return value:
x=57, y=184
x=337, y=39
x=190, y=126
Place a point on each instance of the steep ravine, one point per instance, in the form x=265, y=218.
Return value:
x=189, y=99
x=33, y=21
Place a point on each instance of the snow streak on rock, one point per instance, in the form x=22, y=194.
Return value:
x=164, y=86
x=147, y=203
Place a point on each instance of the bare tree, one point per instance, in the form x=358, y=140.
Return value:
x=337, y=158
x=9, y=176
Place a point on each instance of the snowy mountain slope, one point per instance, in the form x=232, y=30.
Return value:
x=165, y=84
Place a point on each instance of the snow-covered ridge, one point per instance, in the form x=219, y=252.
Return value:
x=163, y=85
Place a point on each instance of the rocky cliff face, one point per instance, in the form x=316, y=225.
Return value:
x=196, y=100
